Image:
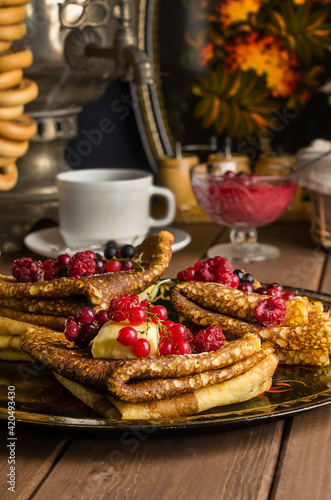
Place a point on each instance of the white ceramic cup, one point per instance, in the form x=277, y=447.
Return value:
x=97, y=205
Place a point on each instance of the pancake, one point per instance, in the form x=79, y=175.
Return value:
x=63, y=297
x=246, y=386
x=316, y=334
x=147, y=378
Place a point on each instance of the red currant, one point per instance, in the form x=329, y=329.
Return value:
x=160, y=312
x=127, y=266
x=49, y=264
x=245, y=287
x=62, y=260
x=274, y=292
x=127, y=335
x=102, y=317
x=141, y=348
x=114, y=266
x=189, y=274
x=90, y=253
x=50, y=274
x=90, y=330
x=137, y=316
x=262, y=290
x=86, y=315
x=180, y=276
x=182, y=347
x=288, y=296
x=234, y=281
x=71, y=320
x=177, y=332
x=71, y=332
x=166, y=347
x=197, y=265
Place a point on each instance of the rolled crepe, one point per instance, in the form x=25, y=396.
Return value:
x=314, y=335
x=97, y=290
x=238, y=304
x=143, y=379
x=238, y=389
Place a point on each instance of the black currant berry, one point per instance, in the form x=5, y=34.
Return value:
x=239, y=273
x=128, y=252
x=110, y=252
x=248, y=278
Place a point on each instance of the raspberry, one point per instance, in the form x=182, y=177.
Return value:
x=207, y=340
x=26, y=270
x=218, y=269
x=80, y=265
x=270, y=312
x=119, y=308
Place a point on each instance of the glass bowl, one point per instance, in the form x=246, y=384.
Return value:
x=243, y=203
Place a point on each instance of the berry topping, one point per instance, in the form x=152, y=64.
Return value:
x=26, y=270
x=217, y=269
x=127, y=335
x=288, y=296
x=128, y=252
x=248, y=278
x=207, y=340
x=137, y=316
x=275, y=285
x=244, y=286
x=274, y=292
x=49, y=264
x=166, y=347
x=100, y=266
x=270, y=312
x=141, y=348
x=50, y=274
x=81, y=264
x=262, y=290
x=71, y=332
x=101, y=317
x=110, y=250
x=127, y=266
x=62, y=260
x=234, y=281
x=114, y=266
x=182, y=347
x=86, y=315
x=177, y=332
x=239, y=273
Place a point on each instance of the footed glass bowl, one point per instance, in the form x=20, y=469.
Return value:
x=243, y=203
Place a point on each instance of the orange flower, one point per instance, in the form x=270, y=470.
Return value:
x=235, y=11
x=268, y=58
x=205, y=54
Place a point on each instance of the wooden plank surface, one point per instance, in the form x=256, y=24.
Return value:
x=36, y=451
x=236, y=464
x=243, y=463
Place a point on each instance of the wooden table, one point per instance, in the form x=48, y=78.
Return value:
x=280, y=460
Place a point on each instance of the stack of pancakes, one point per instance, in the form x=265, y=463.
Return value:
x=158, y=386
x=303, y=339
x=49, y=303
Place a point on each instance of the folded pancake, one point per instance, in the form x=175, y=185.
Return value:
x=238, y=304
x=143, y=379
x=241, y=388
x=53, y=322
x=49, y=297
x=304, y=357
x=11, y=332
x=316, y=334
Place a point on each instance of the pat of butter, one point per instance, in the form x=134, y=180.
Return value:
x=105, y=345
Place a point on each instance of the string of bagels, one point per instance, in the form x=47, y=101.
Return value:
x=16, y=127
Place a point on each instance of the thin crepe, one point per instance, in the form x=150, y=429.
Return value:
x=241, y=388
x=143, y=379
x=316, y=334
x=48, y=297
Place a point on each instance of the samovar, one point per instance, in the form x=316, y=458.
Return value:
x=79, y=47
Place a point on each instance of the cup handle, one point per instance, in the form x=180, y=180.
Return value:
x=171, y=208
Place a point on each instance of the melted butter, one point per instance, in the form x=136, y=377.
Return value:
x=105, y=345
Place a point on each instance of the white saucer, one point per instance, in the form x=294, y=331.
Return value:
x=42, y=241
